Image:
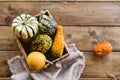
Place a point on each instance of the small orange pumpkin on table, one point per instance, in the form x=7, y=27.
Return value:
x=103, y=48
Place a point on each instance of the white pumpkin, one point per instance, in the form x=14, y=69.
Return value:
x=25, y=26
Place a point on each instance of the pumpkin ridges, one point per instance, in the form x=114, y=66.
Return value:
x=24, y=33
x=29, y=31
x=29, y=26
x=32, y=30
x=18, y=18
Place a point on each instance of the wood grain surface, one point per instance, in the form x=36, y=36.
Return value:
x=85, y=22
x=84, y=37
x=4, y=57
x=80, y=79
x=65, y=13
x=96, y=67
x=62, y=0
x=87, y=37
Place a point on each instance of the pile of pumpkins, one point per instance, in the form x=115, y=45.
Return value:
x=43, y=34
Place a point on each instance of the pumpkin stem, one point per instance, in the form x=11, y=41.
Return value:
x=41, y=15
x=23, y=23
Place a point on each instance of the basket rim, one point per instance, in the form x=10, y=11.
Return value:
x=22, y=50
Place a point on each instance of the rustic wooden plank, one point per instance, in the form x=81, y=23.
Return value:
x=98, y=0
x=7, y=78
x=95, y=78
x=4, y=56
x=8, y=44
x=99, y=67
x=36, y=0
x=65, y=13
x=59, y=0
x=96, y=67
x=80, y=79
x=7, y=39
x=84, y=37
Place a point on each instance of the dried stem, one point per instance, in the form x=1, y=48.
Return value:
x=112, y=76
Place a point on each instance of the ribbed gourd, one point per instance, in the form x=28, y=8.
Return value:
x=47, y=24
x=103, y=48
x=58, y=44
x=41, y=43
x=25, y=27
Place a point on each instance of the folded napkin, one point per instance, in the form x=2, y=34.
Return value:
x=69, y=68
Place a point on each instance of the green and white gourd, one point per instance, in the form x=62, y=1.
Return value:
x=25, y=27
x=47, y=24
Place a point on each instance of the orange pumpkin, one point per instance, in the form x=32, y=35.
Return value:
x=103, y=48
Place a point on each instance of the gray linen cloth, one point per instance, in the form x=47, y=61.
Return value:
x=69, y=68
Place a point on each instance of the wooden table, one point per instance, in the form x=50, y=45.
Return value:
x=82, y=21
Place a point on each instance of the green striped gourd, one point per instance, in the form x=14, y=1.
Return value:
x=47, y=24
x=25, y=26
x=41, y=43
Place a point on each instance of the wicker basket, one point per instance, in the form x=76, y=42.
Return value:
x=23, y=51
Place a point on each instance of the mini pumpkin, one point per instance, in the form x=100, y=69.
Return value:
x=103, y=48
x=25, y=26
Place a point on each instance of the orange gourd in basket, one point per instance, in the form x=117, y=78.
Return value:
x=103, y=48
x=58, y=44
